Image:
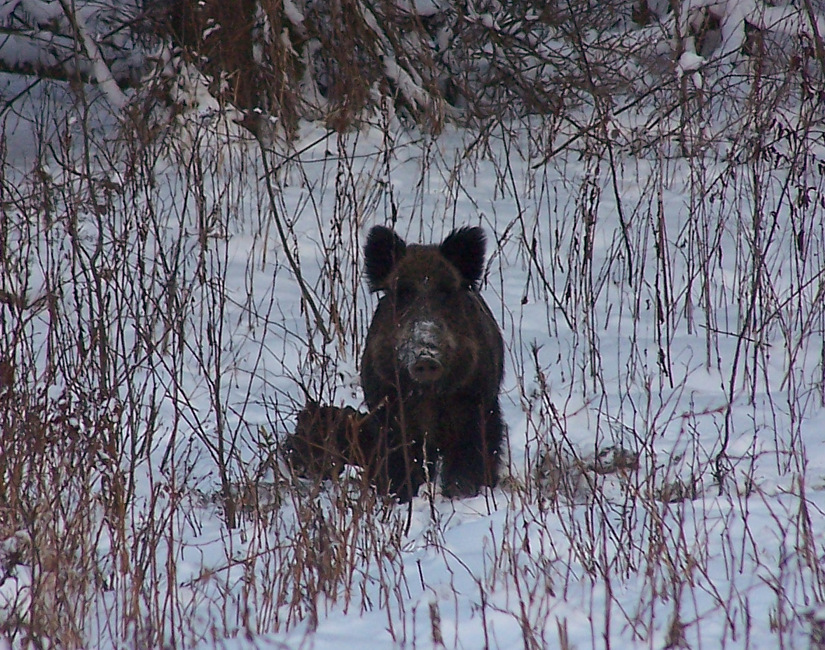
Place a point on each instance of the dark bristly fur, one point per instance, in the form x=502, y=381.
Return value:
x=431, y=373
x=433, y=363
x=382, y=251
x=464, y=248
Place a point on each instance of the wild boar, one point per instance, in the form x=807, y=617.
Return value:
x=433, y=364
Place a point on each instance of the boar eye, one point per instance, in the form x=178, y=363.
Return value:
x=445, y=288
x=404, y=292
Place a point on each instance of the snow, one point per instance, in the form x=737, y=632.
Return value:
x=293, y=13
x=602, y=365
x=423, y=8
x=690, y=61
x=8, y=8
x=101, y=71
x=42, y=12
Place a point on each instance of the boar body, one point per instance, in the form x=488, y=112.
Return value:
x=433, y=364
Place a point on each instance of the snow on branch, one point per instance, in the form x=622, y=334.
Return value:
x=100, y=70
x=62, y=40
x=735, y=15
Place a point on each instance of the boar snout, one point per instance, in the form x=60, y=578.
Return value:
x=420, y=351
x=426, y=369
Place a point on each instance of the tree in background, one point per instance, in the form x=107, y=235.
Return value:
x=424, y=61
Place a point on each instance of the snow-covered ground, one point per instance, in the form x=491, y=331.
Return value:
x=663, y=319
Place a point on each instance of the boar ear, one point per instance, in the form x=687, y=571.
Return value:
x=382, y=252
x=464, y=248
